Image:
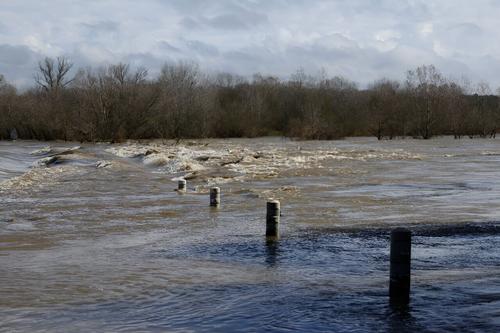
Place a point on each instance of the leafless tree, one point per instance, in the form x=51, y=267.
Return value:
x=118, y=102
x=424, y=85
x=53, y=75
x=179, y=100
x=384, y=108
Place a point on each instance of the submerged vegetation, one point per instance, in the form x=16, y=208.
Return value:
x=115, y=103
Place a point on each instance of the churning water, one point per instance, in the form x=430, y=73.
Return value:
x=94, y=238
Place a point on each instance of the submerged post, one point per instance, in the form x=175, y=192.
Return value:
x=399, y=287
x=215, y=197
x=273, y=219
x=182, y=184
x=13, y=134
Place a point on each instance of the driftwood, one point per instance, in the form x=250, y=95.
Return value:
x=232, y=162
x=202, y=158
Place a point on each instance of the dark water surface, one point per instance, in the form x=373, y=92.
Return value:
x=98, y=240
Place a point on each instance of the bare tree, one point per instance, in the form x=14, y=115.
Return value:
x=455, y=109
x=52, y=75
x=384, y=108
x=424, y=85
x=117, y=102
x=179, y=100
x=483, y=116
x=7, y=103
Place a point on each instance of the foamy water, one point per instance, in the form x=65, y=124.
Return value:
x=95, y=237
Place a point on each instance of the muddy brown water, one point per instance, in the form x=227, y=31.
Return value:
x=94, y=237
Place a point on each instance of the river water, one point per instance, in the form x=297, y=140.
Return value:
x=95, y=237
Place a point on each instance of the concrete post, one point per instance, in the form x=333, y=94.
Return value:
x=182, y=185
x=215, y=197
x=399, y=287
x=273, y=219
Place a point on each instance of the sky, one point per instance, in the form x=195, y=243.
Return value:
x=363, y=40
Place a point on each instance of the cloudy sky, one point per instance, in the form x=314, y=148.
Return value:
x=361, y=39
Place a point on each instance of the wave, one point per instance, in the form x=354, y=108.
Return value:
x=459, y=229
x=219, y=162
x=37, y=177
x=212, y=163
x=47, y=165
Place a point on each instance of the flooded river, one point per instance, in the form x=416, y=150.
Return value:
x=94, y=238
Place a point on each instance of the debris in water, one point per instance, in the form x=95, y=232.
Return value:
x=232, y=162
x=102, y=164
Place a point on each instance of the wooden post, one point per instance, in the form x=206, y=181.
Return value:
x=400, y=275
x=273, y=219
x=182, y=185
x=215, y=197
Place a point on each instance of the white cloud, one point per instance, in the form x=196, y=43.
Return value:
x=362, y=39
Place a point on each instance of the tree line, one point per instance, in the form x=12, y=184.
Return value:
x=115, y=103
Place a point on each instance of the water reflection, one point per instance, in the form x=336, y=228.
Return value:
x=272, y=251
x=400, y=319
